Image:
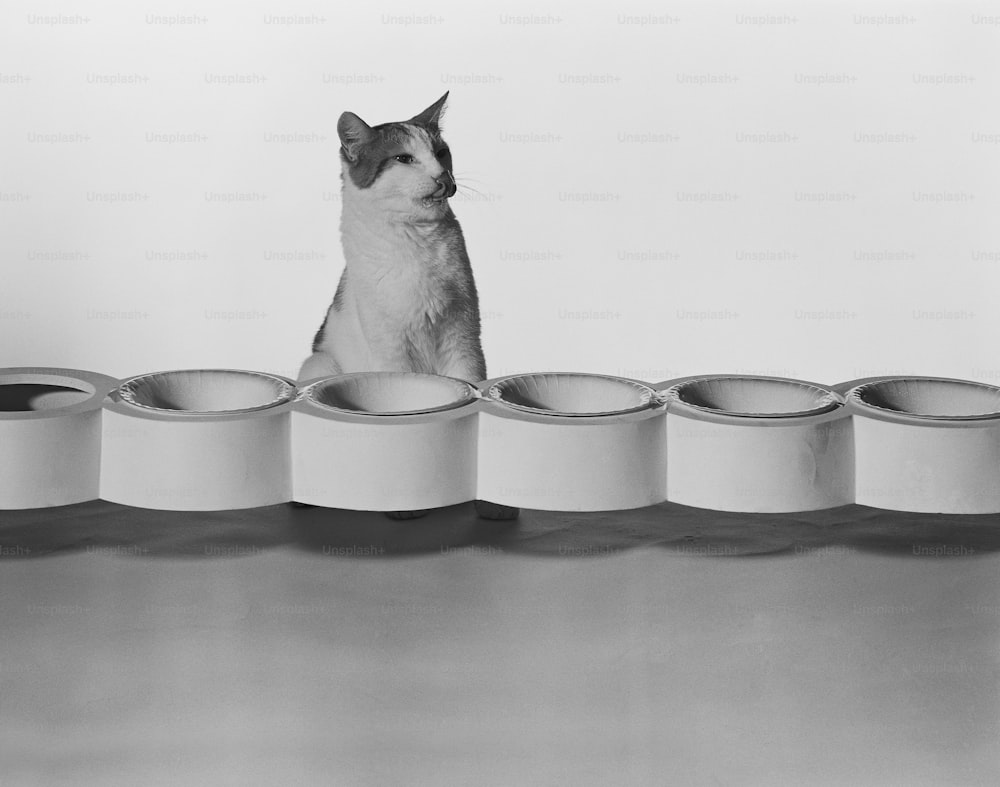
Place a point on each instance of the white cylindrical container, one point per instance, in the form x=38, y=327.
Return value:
x=571, y=442
x=385, y=441
x=757, y=444
x=927, y=444
x=198, y=440
x=50, y=435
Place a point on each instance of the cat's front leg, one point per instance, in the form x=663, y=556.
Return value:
x=319, y=364
x=464, y=367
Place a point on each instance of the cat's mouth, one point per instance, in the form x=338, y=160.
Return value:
x=433, y=200
x=445, y=188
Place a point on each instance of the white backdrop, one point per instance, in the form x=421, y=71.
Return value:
x=802, y=189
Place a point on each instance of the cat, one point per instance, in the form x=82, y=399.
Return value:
x=406, y=300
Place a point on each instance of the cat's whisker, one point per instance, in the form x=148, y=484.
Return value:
x=464, y=188
x=462, y=184
x=467, y=178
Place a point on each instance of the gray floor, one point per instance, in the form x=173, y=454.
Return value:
x=661, y=646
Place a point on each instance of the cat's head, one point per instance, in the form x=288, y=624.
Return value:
x=405, y=167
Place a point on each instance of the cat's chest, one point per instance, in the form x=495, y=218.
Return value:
x=411, y=298
x=403, y=317
x=409, y=286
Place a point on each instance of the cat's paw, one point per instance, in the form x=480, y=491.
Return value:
x=401, y=515
x=495, y=511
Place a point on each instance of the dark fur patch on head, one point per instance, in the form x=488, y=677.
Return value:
x=372, y=157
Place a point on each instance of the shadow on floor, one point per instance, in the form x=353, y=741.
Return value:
x=99, y=527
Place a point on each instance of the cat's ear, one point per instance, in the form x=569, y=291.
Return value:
x=431, y=117
x=353, y=132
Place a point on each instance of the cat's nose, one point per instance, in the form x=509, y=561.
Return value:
x=445, y=186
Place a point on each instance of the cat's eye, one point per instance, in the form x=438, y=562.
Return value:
x=442, y=153
x=404, y=158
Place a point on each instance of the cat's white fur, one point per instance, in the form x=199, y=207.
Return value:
x=406, y=299
x=405, y=266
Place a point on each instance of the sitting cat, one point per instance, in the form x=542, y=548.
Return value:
x=406, y=300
